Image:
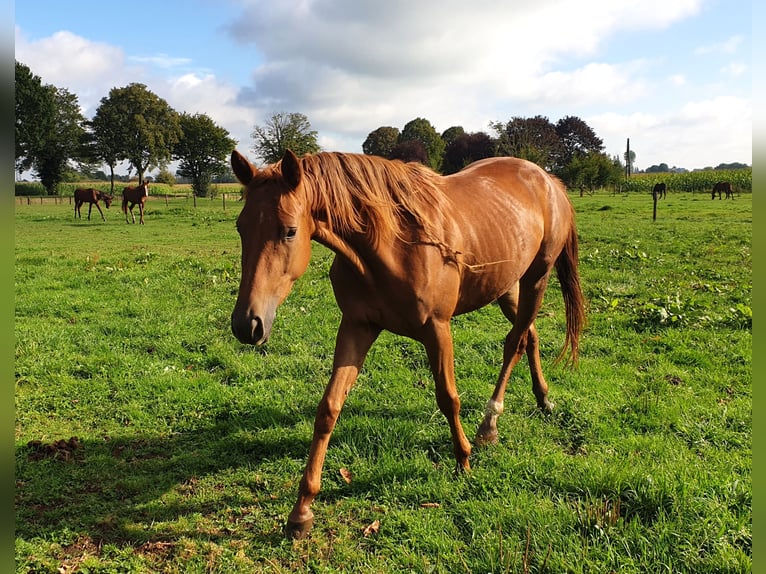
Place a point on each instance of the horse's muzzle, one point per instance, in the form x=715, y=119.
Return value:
x=249, y=329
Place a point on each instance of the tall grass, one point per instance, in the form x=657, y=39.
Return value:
x=189, y=446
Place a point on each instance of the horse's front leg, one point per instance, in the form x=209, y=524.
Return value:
x=353, y=342
x=438, y=344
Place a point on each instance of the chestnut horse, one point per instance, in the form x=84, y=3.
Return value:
x=91, y=197
x=413, y=248
x=133, y=196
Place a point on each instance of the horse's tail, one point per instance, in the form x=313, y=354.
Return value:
x=574, y=301
x=124, y=204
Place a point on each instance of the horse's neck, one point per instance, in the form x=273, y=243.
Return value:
x=326, y=236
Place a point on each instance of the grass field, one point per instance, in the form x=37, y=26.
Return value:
x=149, y=440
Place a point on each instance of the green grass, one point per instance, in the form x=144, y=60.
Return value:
x=190, y=445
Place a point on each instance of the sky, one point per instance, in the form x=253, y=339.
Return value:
x=674, y=76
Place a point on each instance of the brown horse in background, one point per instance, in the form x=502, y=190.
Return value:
x=132, y=196
x=91, y=197
x=723, y=187
x=660, y=190
x=413, y=249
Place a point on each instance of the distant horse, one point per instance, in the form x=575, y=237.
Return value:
x=413, y=249
x=659, y=191
x=91, y=197
x=723, y=187
x=133, y=196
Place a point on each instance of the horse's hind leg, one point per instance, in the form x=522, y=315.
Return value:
x=522, y=338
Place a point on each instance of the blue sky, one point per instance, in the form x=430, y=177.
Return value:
x=674, y=76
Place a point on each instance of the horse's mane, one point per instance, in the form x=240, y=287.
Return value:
x=369, y=194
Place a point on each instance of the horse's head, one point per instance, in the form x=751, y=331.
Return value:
x=106, y=198
x=275, y=227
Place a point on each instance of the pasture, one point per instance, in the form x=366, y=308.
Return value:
x=147, y=439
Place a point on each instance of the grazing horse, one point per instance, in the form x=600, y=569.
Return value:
x=91, y=197
x=723, y=187
x=659, y=191
x=413, y=249
x=133, y=196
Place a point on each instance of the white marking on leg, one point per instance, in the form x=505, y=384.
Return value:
x=494, y=408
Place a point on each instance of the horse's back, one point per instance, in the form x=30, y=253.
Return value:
x=510, y=216
x=512, y=194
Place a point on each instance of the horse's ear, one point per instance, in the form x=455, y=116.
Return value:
x=291, y=169
x=242, y=168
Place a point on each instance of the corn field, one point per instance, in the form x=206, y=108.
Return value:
x=694, y=181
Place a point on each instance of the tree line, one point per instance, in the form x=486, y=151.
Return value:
x=570, y=148
x=130, y=124
x=135, y=125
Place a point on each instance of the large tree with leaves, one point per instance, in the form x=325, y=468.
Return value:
x=146, y=125
x=534, y=139
x=108, y=133
x=465, y=149
x=421, y=129
x=203, y=149
x=576, y=138
x=50, y=129
x=34, y=110
x=381, y=141
x=283, y=131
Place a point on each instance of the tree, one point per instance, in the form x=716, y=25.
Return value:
x=108, y=133
x=410, y=150
x=451, y=134
x=591, y=170
x=281, y=132
x=203, y=149
x=64, y=141
x=576, y=138
x=148, y=127
x=34, y=113
x=421, y=129
x=49, y=129
x=662, y=168
x=534, y=139
x=465, y=149
x=381, y=141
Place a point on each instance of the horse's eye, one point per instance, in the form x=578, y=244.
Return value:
x=290, y=233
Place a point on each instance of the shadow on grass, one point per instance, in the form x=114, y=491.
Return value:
x=108, y=488
x=140, y=490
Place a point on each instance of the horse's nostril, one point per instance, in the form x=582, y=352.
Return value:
x=256, y=329
x=248, y=329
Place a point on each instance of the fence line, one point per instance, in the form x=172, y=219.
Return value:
x=59, y=200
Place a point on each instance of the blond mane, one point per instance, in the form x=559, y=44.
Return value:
x=368, y=194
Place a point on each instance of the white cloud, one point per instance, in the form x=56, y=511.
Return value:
x=354, y=66
x=161, y=60
x=727, y=47
x=699, y=134
x=734, y=69
x=66, y=60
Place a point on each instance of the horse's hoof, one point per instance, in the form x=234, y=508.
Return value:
x=547, y=407
x=486, y=434
x=485, y=439
x=298, y=530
